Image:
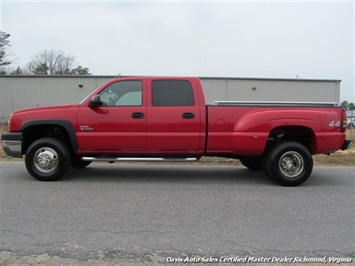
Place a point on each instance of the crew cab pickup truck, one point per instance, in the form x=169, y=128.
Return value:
x=166, y=119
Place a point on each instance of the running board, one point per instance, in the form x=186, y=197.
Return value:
x=134, y=159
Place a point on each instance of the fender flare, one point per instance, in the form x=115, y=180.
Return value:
x=67, y=125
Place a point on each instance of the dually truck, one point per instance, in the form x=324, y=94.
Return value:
x=167, y=119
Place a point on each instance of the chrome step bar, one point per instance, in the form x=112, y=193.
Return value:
x=137, y=159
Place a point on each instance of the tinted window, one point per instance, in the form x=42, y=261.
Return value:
x=122, y=93
x=172, y=93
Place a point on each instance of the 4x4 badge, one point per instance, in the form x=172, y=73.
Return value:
x=332, y=124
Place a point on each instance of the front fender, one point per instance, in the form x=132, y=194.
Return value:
x=67, y=125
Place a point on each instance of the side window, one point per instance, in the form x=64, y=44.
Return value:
x=122, y=93
x=172, y=93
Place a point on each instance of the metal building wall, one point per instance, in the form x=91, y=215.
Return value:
x=17, y=92
x=24, y=92
x=271, y=90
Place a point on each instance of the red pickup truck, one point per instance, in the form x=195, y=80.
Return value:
x=166, y=119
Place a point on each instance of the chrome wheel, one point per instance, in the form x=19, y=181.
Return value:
x=46, y=160
x=291, y=164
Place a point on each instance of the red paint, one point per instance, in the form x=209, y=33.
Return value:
x=232, y=130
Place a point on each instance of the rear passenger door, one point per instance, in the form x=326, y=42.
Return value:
x=174, y=118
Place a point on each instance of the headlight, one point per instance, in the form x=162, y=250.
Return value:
x=8, y=123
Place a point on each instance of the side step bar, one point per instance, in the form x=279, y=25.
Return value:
x=134, y=159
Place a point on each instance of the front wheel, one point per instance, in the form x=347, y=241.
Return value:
x=47, y=159
x=288, y=163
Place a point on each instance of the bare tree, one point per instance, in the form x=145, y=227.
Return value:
x=51, y=62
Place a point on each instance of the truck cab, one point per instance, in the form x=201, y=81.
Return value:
x=143, y=116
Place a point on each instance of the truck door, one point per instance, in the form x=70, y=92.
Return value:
x=174, y=118
x=119, y=124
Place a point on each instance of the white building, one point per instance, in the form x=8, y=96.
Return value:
x=17, y=92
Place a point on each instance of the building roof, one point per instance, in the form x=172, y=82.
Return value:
x=205, y=78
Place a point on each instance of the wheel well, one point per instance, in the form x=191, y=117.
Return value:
x=33, y=133
x=303, y=135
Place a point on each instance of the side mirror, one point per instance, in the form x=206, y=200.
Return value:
x=95, y=101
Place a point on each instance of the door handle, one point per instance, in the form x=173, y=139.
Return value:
x=137, y=115
x=188, y=115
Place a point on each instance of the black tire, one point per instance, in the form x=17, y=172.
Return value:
x=78, y=163
x=252, y=163
x=47, y=159
x=288, y=163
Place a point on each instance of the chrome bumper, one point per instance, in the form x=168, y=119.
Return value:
x=12, y=144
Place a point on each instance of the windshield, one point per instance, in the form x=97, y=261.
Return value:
x=87, y=97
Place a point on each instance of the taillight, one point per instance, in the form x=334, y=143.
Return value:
x=345, y=121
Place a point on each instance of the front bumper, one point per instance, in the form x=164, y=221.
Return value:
x=12, y=144
x=347, y=145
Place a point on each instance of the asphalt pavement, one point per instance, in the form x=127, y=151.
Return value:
x=155, y=214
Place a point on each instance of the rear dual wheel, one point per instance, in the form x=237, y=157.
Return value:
x=289, y=163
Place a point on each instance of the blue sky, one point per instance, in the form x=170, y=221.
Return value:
x=277, y=39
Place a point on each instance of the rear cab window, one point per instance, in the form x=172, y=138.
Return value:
x=172, y=93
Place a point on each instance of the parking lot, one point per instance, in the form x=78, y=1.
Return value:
x=127, y=213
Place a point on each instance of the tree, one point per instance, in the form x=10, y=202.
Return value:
x=50, y=63
x=80, y=71
x=4, y=43
x=17, y=71
x=41, y=69
x=53, y=62
x=345, y=104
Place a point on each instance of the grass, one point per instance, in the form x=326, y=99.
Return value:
x=339, y=158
